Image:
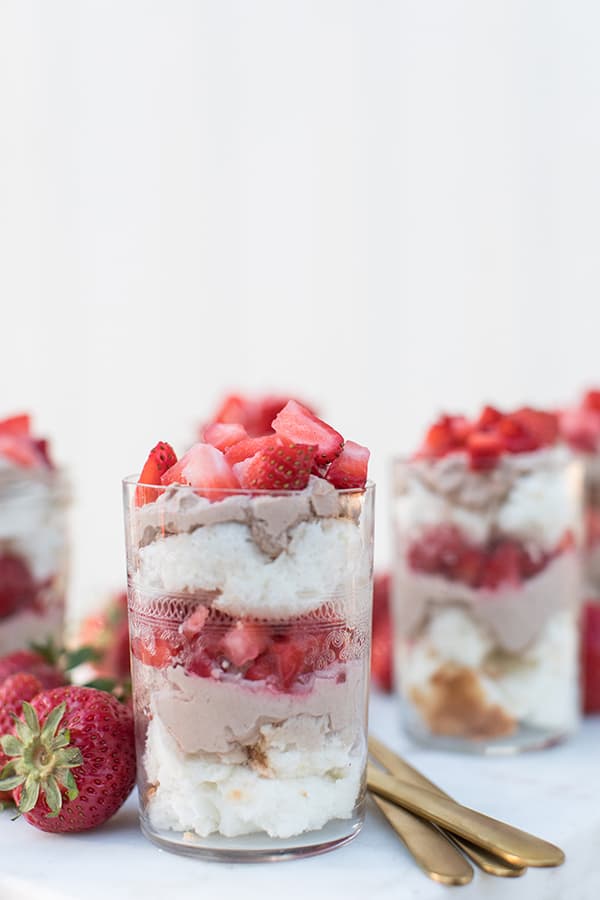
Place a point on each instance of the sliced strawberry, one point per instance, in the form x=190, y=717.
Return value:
x=440, y=438
x=591, y=656
x=469, y=566
x=484, y=450
x=349, y=469
x=223, y=436
x=250, y=446
x=260, y=669
x=232, y=410
x=17, y=586
x=244, y=642
x=516, y=437
x=503, y=565
x=17, y=425
x=160, y=459
x=195, y=622
x=288, y=661
x=296, y=423
x=285, y=468
x=203, y=467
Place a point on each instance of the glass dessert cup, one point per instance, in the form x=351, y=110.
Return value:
x=33, y=556
x=487, y=587
x=249, y=619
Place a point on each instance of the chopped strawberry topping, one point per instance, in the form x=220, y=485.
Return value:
x=349, y=469
x=244, y=642
x=158, y=653
x=281, y=468
x=250, y=446
x=203, y=467
x=296, y=423
x=18, y=425
x=581, y=429
x=160, y=459
x=255, y=414
x=223, y=436
x=484, y=449
x=591, y=400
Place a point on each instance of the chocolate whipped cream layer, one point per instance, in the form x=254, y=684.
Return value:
x=514, y=616
x=270, y=517
x=224, y=717
x=451, y=477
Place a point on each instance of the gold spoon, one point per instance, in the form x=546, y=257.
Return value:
x=513, y=845
x=487, y=861
x=433, y=852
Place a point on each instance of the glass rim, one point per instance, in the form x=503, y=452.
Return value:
x=132, y=481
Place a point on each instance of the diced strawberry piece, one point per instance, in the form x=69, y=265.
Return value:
x=261, y=669
x=203, y=467
x=223, y=436
x=581, y=429
x=591, y=656
x=232, y=410
x=503, y=566
x=201, y=665
x=516, y=437
x=438, y=551
x=440, y=438
x=250, y=446
x=244, y=642
x=160, y=459
x=194, y=623
x=541, y=425
x=16, y=425
x=469, y=566
x=591, y=400
x=285, y=468
x=256, y=415
x=20, y=450
x=488, y=419
x=288, y=661
x=296, y=423
x=349, y=469
x=159, y=655
x=460, y=428
x=484, y=450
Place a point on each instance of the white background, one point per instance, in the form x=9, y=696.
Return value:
x=388, y=207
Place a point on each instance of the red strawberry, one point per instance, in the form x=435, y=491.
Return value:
x=251, y=446
x=484, y=450
x=440, y=438
x=591, y=656
x=349, y=469
x=223, y=436
x=469, y=566
x=160, y=459
x=516, y=436
x=503, y=565
x=13, y=691
x=543, y=426
x=21, y=450
x=244, y=642
x=256, y=415
x=19, y=425
x=488, y=419
x=77, y=777
x=296, y=423
x=581, y=429
x=17, y=587
x=438, y=551
x=288, y=661
x=203, y=466
x=33, y=663
x=195, y=622
x=107, y=633
x=285, y=468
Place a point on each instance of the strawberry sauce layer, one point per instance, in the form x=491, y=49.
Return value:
x=283, y=656
x=445, y=552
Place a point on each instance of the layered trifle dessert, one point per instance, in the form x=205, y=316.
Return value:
x=580, y=427
x=33, y=539
x=487, y=582
x=250, y=582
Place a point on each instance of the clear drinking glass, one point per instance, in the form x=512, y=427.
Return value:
x=250, y=629
x=486, y=599
x=33, y=556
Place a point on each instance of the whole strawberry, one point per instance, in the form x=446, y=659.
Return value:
x=35, y=664
x=72, y=759
x=13, y=691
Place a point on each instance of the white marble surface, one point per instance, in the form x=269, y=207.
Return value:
x=555, y=794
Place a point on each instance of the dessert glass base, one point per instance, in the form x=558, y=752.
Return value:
x=526, y=738
x=257, y=847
